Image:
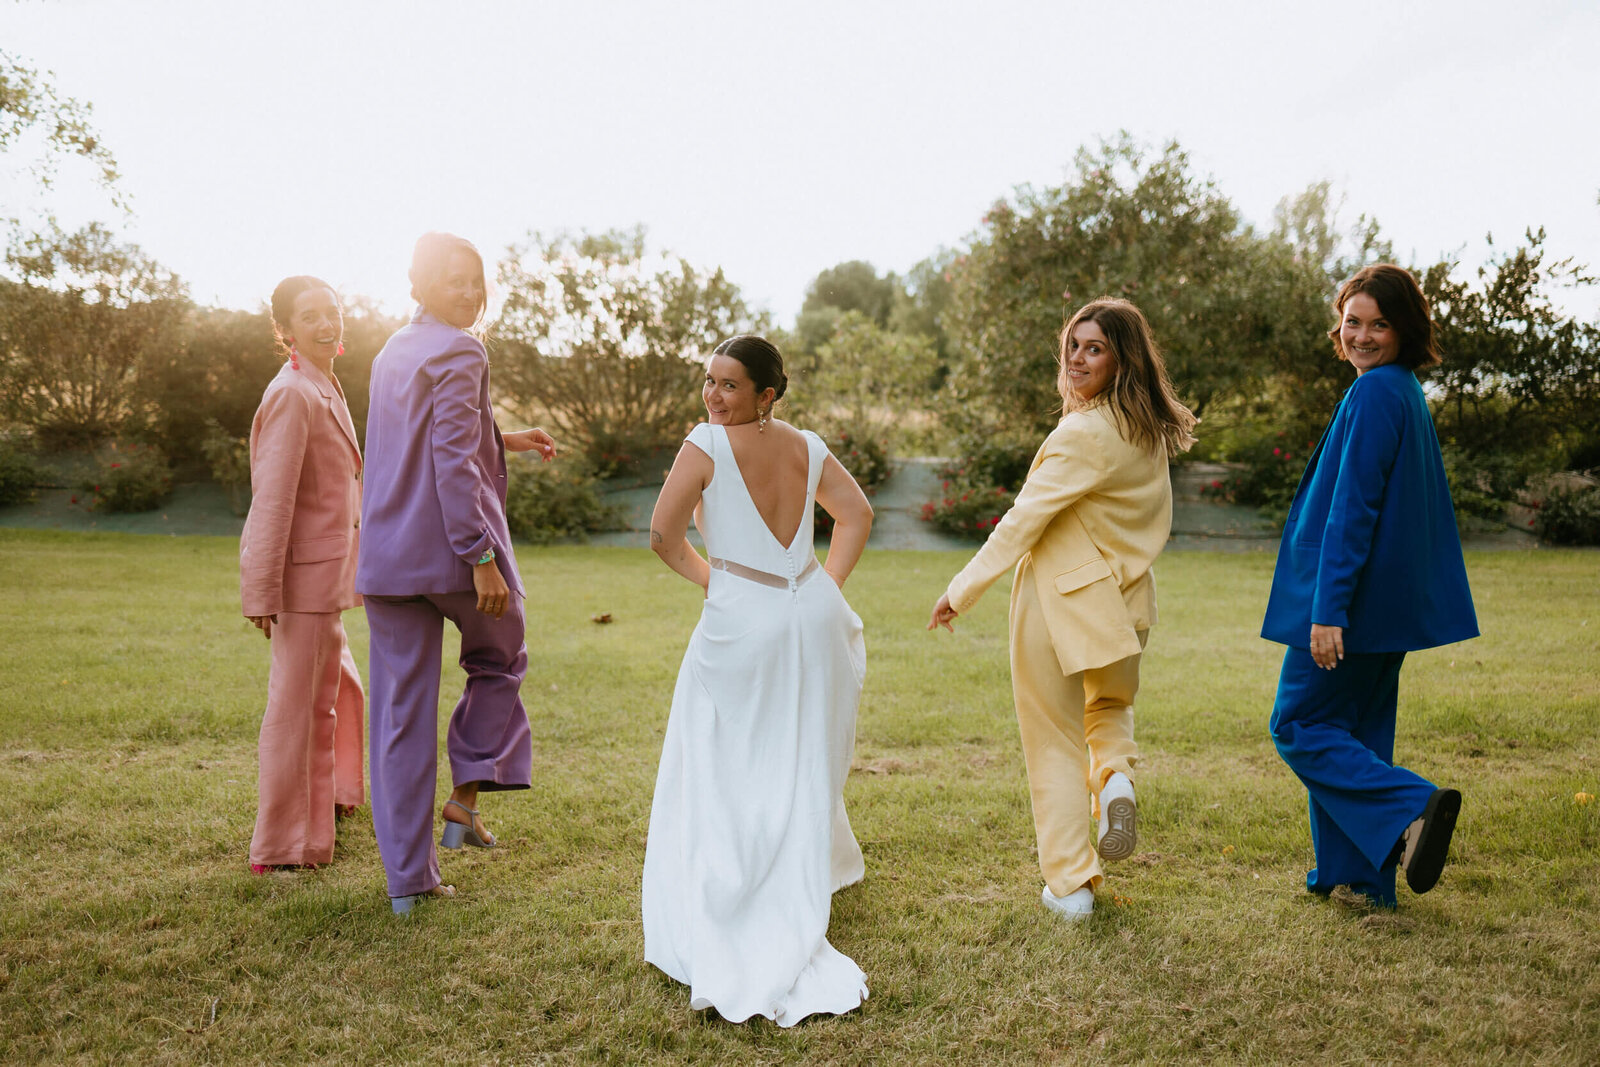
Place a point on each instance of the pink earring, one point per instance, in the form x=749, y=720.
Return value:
x=294, y=356
x=340, y=352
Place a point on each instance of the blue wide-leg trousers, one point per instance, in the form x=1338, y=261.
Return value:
x=1335, y=730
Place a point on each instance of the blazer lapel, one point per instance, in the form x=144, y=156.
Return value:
x=328, y=385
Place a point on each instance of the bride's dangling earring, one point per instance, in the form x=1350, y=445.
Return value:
x=762, y=426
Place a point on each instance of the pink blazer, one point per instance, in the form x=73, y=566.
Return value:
x=298, y=552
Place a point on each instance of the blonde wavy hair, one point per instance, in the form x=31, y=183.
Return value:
x=1142, y=401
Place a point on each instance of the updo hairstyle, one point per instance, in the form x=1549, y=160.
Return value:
x=761, y=360
x=283, y=298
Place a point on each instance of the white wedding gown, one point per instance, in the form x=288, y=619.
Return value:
x=748, y=834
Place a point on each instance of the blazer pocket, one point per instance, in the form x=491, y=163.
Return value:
x=1081, y=575
x=319, y=549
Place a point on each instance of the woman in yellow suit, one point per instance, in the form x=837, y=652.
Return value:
x=1091, y=518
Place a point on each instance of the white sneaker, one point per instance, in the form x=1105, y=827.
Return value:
x=1078, y=904
x=1118, y=818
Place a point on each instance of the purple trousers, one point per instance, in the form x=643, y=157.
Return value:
x=488, y=742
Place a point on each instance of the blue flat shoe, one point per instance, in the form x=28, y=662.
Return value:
x=403, y=905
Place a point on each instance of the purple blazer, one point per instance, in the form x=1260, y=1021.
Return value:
x=434, y=488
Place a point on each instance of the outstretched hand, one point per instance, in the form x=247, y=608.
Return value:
x=530, y=441
x=943, y=614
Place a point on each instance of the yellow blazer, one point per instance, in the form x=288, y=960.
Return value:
x=1092, y=516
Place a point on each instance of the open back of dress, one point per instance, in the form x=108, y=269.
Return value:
x=748, y=833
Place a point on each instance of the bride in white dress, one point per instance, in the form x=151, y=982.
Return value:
x=748, y=834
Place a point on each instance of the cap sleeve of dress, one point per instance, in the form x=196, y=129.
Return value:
x=816, y=455
x=703, y=439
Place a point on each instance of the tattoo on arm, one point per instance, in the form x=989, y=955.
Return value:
x=655, y=537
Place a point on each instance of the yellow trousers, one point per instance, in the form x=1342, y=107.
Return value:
x=1077, y=731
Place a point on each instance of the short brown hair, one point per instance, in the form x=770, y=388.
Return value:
x=1143, y=403
x=1399, y=300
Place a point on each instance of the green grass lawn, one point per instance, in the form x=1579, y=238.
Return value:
x=131, y=929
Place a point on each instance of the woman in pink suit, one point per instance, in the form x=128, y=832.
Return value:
x=436, y=547
x=297, y=562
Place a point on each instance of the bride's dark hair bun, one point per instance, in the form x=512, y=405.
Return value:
x=761, y=360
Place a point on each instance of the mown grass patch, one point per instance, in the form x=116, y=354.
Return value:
x=131, y=928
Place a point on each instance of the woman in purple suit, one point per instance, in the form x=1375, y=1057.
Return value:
x=435, y=546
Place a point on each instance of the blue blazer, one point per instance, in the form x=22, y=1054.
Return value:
x=1370, y=544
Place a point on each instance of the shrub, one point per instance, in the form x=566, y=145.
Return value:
x=1271, y=466
x=969, y=512
x=979, y=488
x=991, y=463
x=866, y=457
x=19, y=475
x=130, y=478
x=1570, y=517
x=229, y=458
x=869, y=462
x=602, y=341
x=548, y=502
x=1481, y=486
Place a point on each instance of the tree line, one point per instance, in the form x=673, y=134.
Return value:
x=600, y=337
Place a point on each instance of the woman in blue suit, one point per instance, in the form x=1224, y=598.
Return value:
x=1369, y=569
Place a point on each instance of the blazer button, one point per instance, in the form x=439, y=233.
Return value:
x=358, y=524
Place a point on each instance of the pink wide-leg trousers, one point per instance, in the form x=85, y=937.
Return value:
x=310, y=752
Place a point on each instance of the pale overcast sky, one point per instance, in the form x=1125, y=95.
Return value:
x=775, y=139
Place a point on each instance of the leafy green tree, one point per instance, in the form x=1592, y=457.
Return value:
x=78, y=329
x=1520, y=376
x=923, y=303
x=1128, y=224
x=226, y=358
x=30, y=103
x=1295, y=269
x=850, y=286
x=605, y=342
x=1305, y=258
x=213, y=375
x=866, y=375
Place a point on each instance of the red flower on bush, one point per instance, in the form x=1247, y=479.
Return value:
x=1277, y=451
